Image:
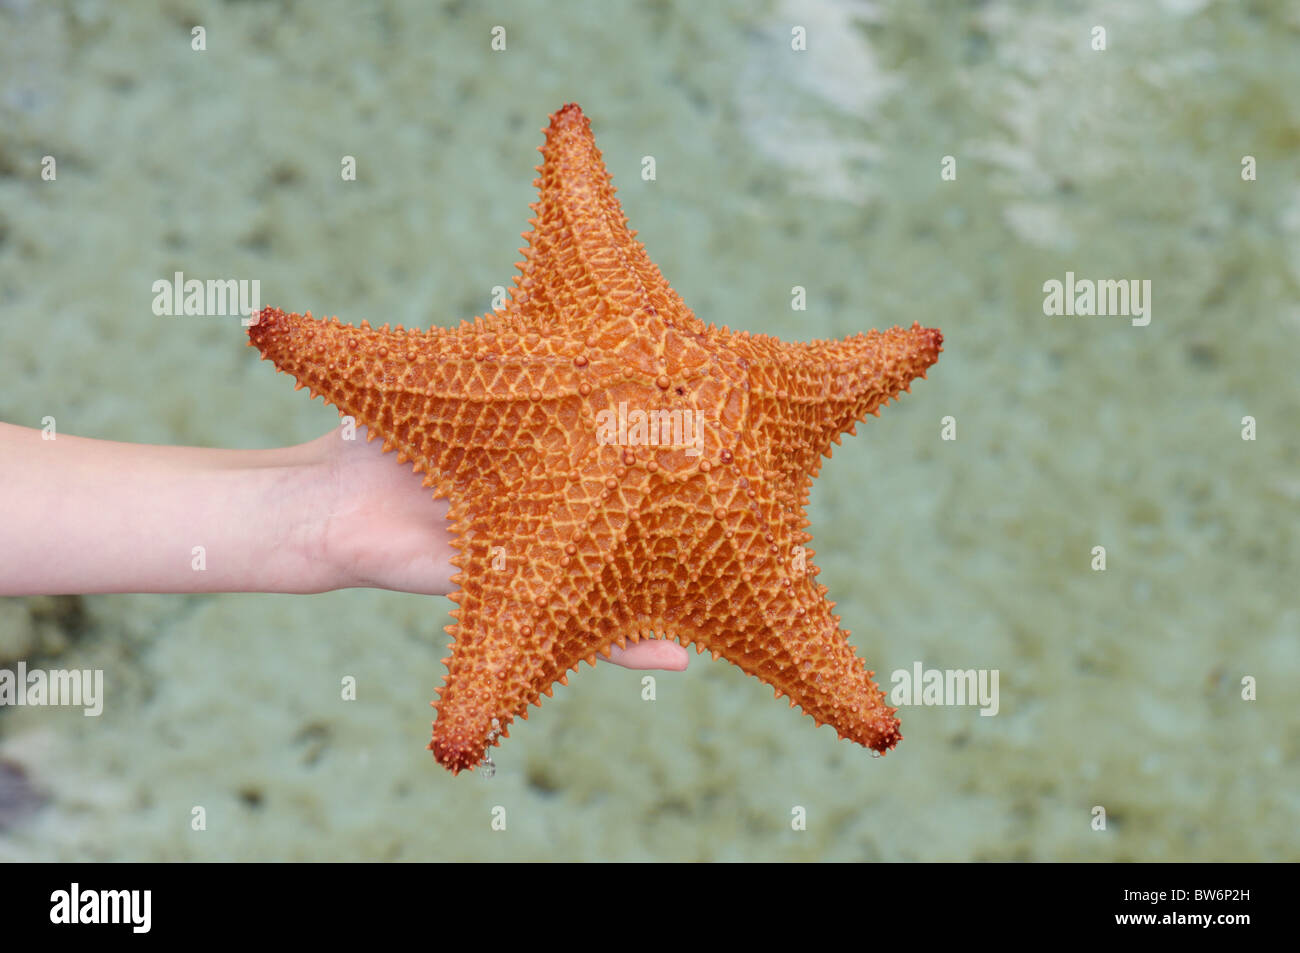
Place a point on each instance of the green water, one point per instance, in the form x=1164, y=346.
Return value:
x=1119, y=689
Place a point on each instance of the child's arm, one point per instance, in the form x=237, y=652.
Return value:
x=93, y=516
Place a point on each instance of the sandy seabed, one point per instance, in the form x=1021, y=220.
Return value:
x=1120, y=689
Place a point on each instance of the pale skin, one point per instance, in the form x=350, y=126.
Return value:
x=94, y=516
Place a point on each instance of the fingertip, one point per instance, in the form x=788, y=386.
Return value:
x=646, y=654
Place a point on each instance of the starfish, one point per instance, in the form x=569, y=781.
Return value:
x=616, y=469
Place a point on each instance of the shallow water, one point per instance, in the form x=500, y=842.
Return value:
x=1120, y=689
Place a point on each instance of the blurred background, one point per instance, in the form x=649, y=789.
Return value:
x=1120, y=689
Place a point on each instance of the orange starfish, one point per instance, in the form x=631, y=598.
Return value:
x=617, y=469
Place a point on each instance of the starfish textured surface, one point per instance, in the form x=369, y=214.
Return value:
x=617, y=470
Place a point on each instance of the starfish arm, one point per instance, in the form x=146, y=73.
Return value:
x=541, y=593
x=861, y=374
x=499, y=648
x=582, y=259
x=805, y=396
x=805, y=656
x=363, y=367
x=454, y=401
x=757, y=605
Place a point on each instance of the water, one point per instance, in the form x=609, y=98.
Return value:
x=822, y=169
